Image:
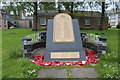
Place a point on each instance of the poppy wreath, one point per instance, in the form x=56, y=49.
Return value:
x=45, y=63
x=57, y=63
x=91, y=59
x=79, y=63
x=38, y=58
x=69, y=62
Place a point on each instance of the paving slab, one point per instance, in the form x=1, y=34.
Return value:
x=83, y=73
x=52, y=73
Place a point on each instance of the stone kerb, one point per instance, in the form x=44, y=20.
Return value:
x=32, y=42
x=95, y=42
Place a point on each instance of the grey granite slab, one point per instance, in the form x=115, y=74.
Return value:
x=64, y=47
x=52, y=73
x=83, y=73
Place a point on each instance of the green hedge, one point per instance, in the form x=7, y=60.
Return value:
x=118, y=26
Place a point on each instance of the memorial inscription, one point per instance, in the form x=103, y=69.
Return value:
x=63, y=29
x=65, y=55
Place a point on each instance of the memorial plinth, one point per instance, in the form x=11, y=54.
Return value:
x=63, y=39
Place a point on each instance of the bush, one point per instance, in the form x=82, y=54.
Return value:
x=118, y=26
x=15, y=53
x=109, y=26
x=92, y=38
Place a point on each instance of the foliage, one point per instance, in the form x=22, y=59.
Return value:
x=15, y=53
x=118, y=26
x=108, y=65
x=13, y=65
x=109, y=26
x=30, y=70
x=28, y=7
x=47, y=6
x=93, y=38
x=68, y=6
x=109, y=70
x=34, y=37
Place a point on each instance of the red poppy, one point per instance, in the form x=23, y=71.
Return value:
x=92, y=59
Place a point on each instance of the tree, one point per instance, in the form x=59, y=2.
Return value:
x=47, y=6
x=35, y=17
x=59, y=7
x=43, y=6
x=102, y=16
x=68, y=7
x=31, y=8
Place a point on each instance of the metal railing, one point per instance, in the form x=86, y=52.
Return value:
x=10, y=19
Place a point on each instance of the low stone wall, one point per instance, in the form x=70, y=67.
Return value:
x=97, y=45
x=29, y=45
x=32, y=42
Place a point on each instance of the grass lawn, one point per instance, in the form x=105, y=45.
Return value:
x=0, y=54
x=108, y=64
x=14, y=66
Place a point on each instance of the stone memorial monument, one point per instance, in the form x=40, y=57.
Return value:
x=64, y=40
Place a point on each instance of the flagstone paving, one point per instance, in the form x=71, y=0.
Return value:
x=73, y=73
x=52, y=73
x=39, y=51
x=63, y=73
x=83, y=73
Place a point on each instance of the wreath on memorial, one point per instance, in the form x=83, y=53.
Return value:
x=91, y=59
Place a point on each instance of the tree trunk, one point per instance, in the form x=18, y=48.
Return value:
x=102, y=16
x=71, y=10
x=59, y=10
x=72, y=7
x=35, y=17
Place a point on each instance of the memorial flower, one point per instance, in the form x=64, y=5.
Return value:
x=91, y=59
